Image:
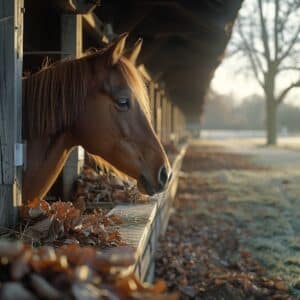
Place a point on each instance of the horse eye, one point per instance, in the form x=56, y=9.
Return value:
x=123, y=103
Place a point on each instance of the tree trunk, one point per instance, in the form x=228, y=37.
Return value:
x=271, y=118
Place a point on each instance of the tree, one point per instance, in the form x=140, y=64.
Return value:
x=268, y=37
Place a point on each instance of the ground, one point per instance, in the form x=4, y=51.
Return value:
x=235, y=231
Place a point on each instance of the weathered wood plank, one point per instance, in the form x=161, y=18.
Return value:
x=71, y=43
x=144, y=223
x=158, y=106
x=77, y=6
x=95, y=28
x=11, y=45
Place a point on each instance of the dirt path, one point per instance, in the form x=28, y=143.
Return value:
x=236, y=230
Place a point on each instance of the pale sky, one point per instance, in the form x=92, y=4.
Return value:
x=229, y=78
x=227, y=81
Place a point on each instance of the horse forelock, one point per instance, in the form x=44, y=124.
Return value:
x=54, y=97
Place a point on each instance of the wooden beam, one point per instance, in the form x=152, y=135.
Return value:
x=150, y=49
x=11, y=46
x=132, y=18
x=95, y=28
x=77, y=6
x=71, y=43
x=200, y=18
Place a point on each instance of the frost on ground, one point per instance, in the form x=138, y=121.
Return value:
x=235, y=231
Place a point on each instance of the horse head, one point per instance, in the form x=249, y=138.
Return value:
x=115, y=123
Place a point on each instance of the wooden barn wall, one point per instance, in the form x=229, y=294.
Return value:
x=11, y=45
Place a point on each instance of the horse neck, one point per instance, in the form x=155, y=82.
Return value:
x=45, y=160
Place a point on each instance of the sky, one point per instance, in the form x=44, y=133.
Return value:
x=240, y=85
x=227, y=81
x=230, y=79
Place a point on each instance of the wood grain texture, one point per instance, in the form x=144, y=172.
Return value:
x=142, y=224
x=11, y=44
x=71, y=43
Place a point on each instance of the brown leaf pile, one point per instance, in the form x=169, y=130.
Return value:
x=61, y=223
x=93, y=187
x=70, y=272
x=202, y=259
x=198, y=159
x=201, y=254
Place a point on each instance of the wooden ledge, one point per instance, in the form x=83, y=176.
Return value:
x=144, y=223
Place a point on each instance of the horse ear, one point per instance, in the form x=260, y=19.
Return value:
x=133, y=54
x=116, y=50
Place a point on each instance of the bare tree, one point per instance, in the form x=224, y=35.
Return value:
x=268, y=37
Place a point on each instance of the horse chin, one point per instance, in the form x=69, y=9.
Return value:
x=145, y=187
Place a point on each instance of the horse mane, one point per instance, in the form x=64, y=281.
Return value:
x=54, y=97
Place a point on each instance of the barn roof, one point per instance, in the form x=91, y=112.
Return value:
x=184, y=41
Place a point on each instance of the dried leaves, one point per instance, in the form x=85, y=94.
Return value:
x=207, y=160
x=70, y=272
x=93, y=187
x=201, y=254
x=61, y=223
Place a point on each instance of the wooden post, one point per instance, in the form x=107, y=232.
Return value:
x=158, y=124
x=164, y=118
x=176, y=123
x=11, y=153
x=154, y=109
x=181, y=124
x=71, y=43
x=172, y=121
x=152, y=101
x=169, y=131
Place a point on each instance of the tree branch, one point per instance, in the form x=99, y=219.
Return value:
x=284, y=93
x=264, y=32
x=288, y=68
x=291, y=7
x=250, y=51
x=291, y=44
x=276, y=32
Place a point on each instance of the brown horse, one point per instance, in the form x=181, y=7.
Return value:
x=100, y=102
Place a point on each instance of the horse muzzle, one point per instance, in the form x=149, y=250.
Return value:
x=164, y=176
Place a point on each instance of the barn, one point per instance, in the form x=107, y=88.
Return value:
x=183, y=44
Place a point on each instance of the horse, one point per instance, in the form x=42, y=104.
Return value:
x=98, y=101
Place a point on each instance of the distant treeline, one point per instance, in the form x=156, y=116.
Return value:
x=221, y=112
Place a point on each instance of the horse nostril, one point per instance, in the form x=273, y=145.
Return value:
x=163, y=176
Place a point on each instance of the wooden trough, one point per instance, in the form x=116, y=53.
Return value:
x=144, y=223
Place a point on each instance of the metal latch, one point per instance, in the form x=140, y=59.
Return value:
x=19, y=154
